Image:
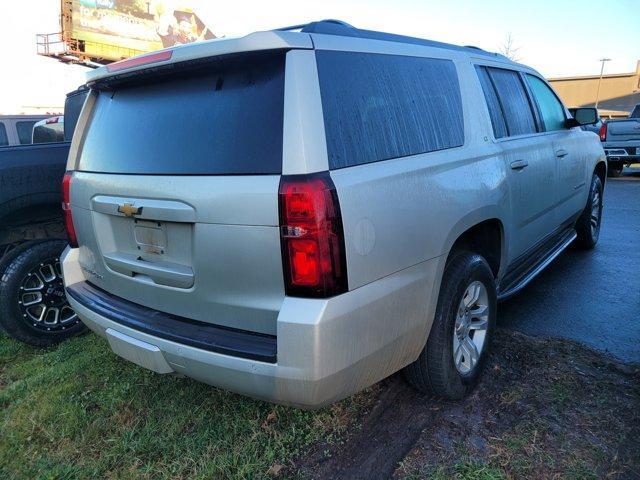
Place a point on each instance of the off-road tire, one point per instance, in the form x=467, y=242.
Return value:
x=434, y=371
x=10, y=255
x=587, y=237
x=14, y=252
x=23, y=260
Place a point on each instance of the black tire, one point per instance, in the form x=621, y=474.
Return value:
x=435, y=370
x=8, y=257
x=614, y=169
x=22, y=271
x=587, y=232
x=14, y=252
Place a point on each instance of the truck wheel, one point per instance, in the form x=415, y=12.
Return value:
x=460, y=337
x=8, y=257
x=33, y=305
x=614, y=169
x=588, y=225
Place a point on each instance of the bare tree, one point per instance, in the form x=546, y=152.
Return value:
x=508, y=48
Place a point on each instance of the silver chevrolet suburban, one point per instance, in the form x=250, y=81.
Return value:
x=299, y=213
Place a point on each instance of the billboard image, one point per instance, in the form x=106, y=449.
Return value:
x=116, y=29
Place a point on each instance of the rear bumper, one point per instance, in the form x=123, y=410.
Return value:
x=327, y=349
x=624, y=151
x=206, y=336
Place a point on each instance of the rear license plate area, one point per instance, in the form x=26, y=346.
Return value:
x=150, y=236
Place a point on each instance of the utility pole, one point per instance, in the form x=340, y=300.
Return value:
x=602, y=60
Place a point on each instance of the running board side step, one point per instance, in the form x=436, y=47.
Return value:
x=524, y=280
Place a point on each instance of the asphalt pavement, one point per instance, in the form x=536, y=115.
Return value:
x=591, y=296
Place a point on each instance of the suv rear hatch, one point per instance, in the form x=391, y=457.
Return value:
x=175, y=190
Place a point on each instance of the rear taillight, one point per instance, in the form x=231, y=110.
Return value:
x=603, y=132
x=66, y=209
x=312, y=237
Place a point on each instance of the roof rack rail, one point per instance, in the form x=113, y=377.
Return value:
x=304, y=25
x=340, y=28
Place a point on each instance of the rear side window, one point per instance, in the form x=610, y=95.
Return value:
x=227, y=121
x=495, y=111
x=378, y=107
x=72, y=107
x=4, y=140
x=513, y=100
x=550, y=107
x=25, y=129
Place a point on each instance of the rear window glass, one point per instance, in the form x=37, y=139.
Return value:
x=48, y=133
x=378, y=107
x=25, y=128
x=227, y=121
x=4, y=141
x=72, y=107
x=495, y=111
x=514, y=101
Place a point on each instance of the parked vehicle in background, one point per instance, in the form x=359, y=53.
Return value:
x=300, y=240
x=49, y=130
x=18, y=129
x=621, y=141
x=33, y=306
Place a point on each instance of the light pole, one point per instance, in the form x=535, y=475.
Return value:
x=602, y=60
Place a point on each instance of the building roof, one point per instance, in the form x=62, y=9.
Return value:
x=597, y=76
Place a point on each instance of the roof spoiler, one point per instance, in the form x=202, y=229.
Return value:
x=199, y=51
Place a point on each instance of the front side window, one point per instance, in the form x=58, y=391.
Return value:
x=24, y=131
x=378, y=107
x=513, y=101
x=550, y=107
x=4, y=140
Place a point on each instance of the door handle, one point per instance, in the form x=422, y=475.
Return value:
x=561, y=153
x=519, y=164
x=162, y=273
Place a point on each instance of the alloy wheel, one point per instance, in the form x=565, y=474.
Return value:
x=596, y=213
x=42, y=300
x=470, y=329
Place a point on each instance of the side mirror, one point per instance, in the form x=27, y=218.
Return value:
x=582, y=116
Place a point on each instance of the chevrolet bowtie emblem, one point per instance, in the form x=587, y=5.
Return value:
x=129, y=210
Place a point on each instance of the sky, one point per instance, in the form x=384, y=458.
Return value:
x=558, y=38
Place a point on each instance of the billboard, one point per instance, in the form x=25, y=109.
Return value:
x=116, y=29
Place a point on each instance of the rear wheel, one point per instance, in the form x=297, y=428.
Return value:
x=460, y=337
x=614, y=169
x=588, y=225
x=33, y=304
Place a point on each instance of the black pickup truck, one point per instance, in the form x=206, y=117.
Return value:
x=621, y=141
x=33, y=306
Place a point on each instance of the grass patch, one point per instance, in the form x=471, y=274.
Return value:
x=78, y=411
